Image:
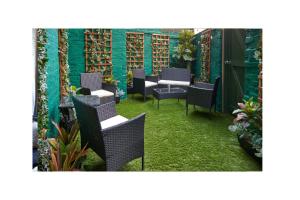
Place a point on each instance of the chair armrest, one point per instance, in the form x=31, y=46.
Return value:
x=204, y=85
x=199, y=96
x=138, y=84
x=109, y=87
x=197, y=90
x=152, y=78
x=133, y=123
x=106, y=111
x=124, y=142
x=124, y=136
x=84, y=91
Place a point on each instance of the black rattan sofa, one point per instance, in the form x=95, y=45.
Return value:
x=143, y=84
x=202, y=94
x=92, y=84
x=175, y=77
x=114, y=138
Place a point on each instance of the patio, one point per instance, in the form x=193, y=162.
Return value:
x=176, y=142
x=147, y=99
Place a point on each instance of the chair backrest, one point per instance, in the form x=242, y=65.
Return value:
x=88, y=122
x=176, y=74
x=215, y=91
x=93, y=81
x=138, y=73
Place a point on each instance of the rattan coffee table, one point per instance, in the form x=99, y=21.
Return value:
x=166, y=93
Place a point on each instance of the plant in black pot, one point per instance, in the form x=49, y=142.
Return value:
x=184, y=52
x=248, y=126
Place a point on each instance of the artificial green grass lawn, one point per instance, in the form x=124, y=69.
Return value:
x=176, y=142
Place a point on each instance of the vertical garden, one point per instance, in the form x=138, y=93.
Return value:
x=65, y=53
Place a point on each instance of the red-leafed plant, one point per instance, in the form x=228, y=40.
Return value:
x=66, y=154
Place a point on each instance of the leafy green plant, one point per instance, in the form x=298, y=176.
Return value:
x=42, y=95
x=44, y=155
x=66, y=154
x=184, y=52
x=248, y=124
x=129, y=78
x=110, y=80
x=64, y=63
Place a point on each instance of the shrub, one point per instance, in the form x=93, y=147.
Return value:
x=248, y=124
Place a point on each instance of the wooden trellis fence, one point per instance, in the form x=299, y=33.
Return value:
x=134, y=50
x=160, y=52
x=98, y=51
x=205, y=55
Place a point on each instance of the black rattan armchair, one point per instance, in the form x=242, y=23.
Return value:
x=143, y=84
x=202, y=94
x=114, y=138
x=91, y=84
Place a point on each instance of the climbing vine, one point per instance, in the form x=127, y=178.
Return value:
x=205, y=55
x=63, y=62
x=42, y=97
x=258, y=56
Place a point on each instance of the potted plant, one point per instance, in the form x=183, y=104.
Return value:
x=184, y=52
x=129, y=81
x=110, y=80
x=66, y=154
x=119, y=94
x=248, y=126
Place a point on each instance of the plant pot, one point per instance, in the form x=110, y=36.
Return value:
x=189, y=65
x=117, y=100
x=246, y=144
x=129, y=89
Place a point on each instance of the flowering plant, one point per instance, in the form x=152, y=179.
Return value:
x=248, y=124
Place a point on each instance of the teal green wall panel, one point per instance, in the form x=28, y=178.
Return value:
x=76, y=55
x=196, y=64
x=216, y=62
x=119, y=58
x=53, y=80
x=148, y=53
x=173, y=43
x=251, y=64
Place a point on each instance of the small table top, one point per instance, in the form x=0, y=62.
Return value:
x=67, y=102
x=172, y=90
x=165, y=93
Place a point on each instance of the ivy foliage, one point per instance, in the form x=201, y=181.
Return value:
x=42, y=97
x=64, y=63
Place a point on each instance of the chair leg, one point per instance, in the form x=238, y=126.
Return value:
x=142, y=163
x=144, y=98
x=194, y=107
x=186, y=109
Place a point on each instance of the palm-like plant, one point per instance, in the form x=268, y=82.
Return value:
x=184, y=52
